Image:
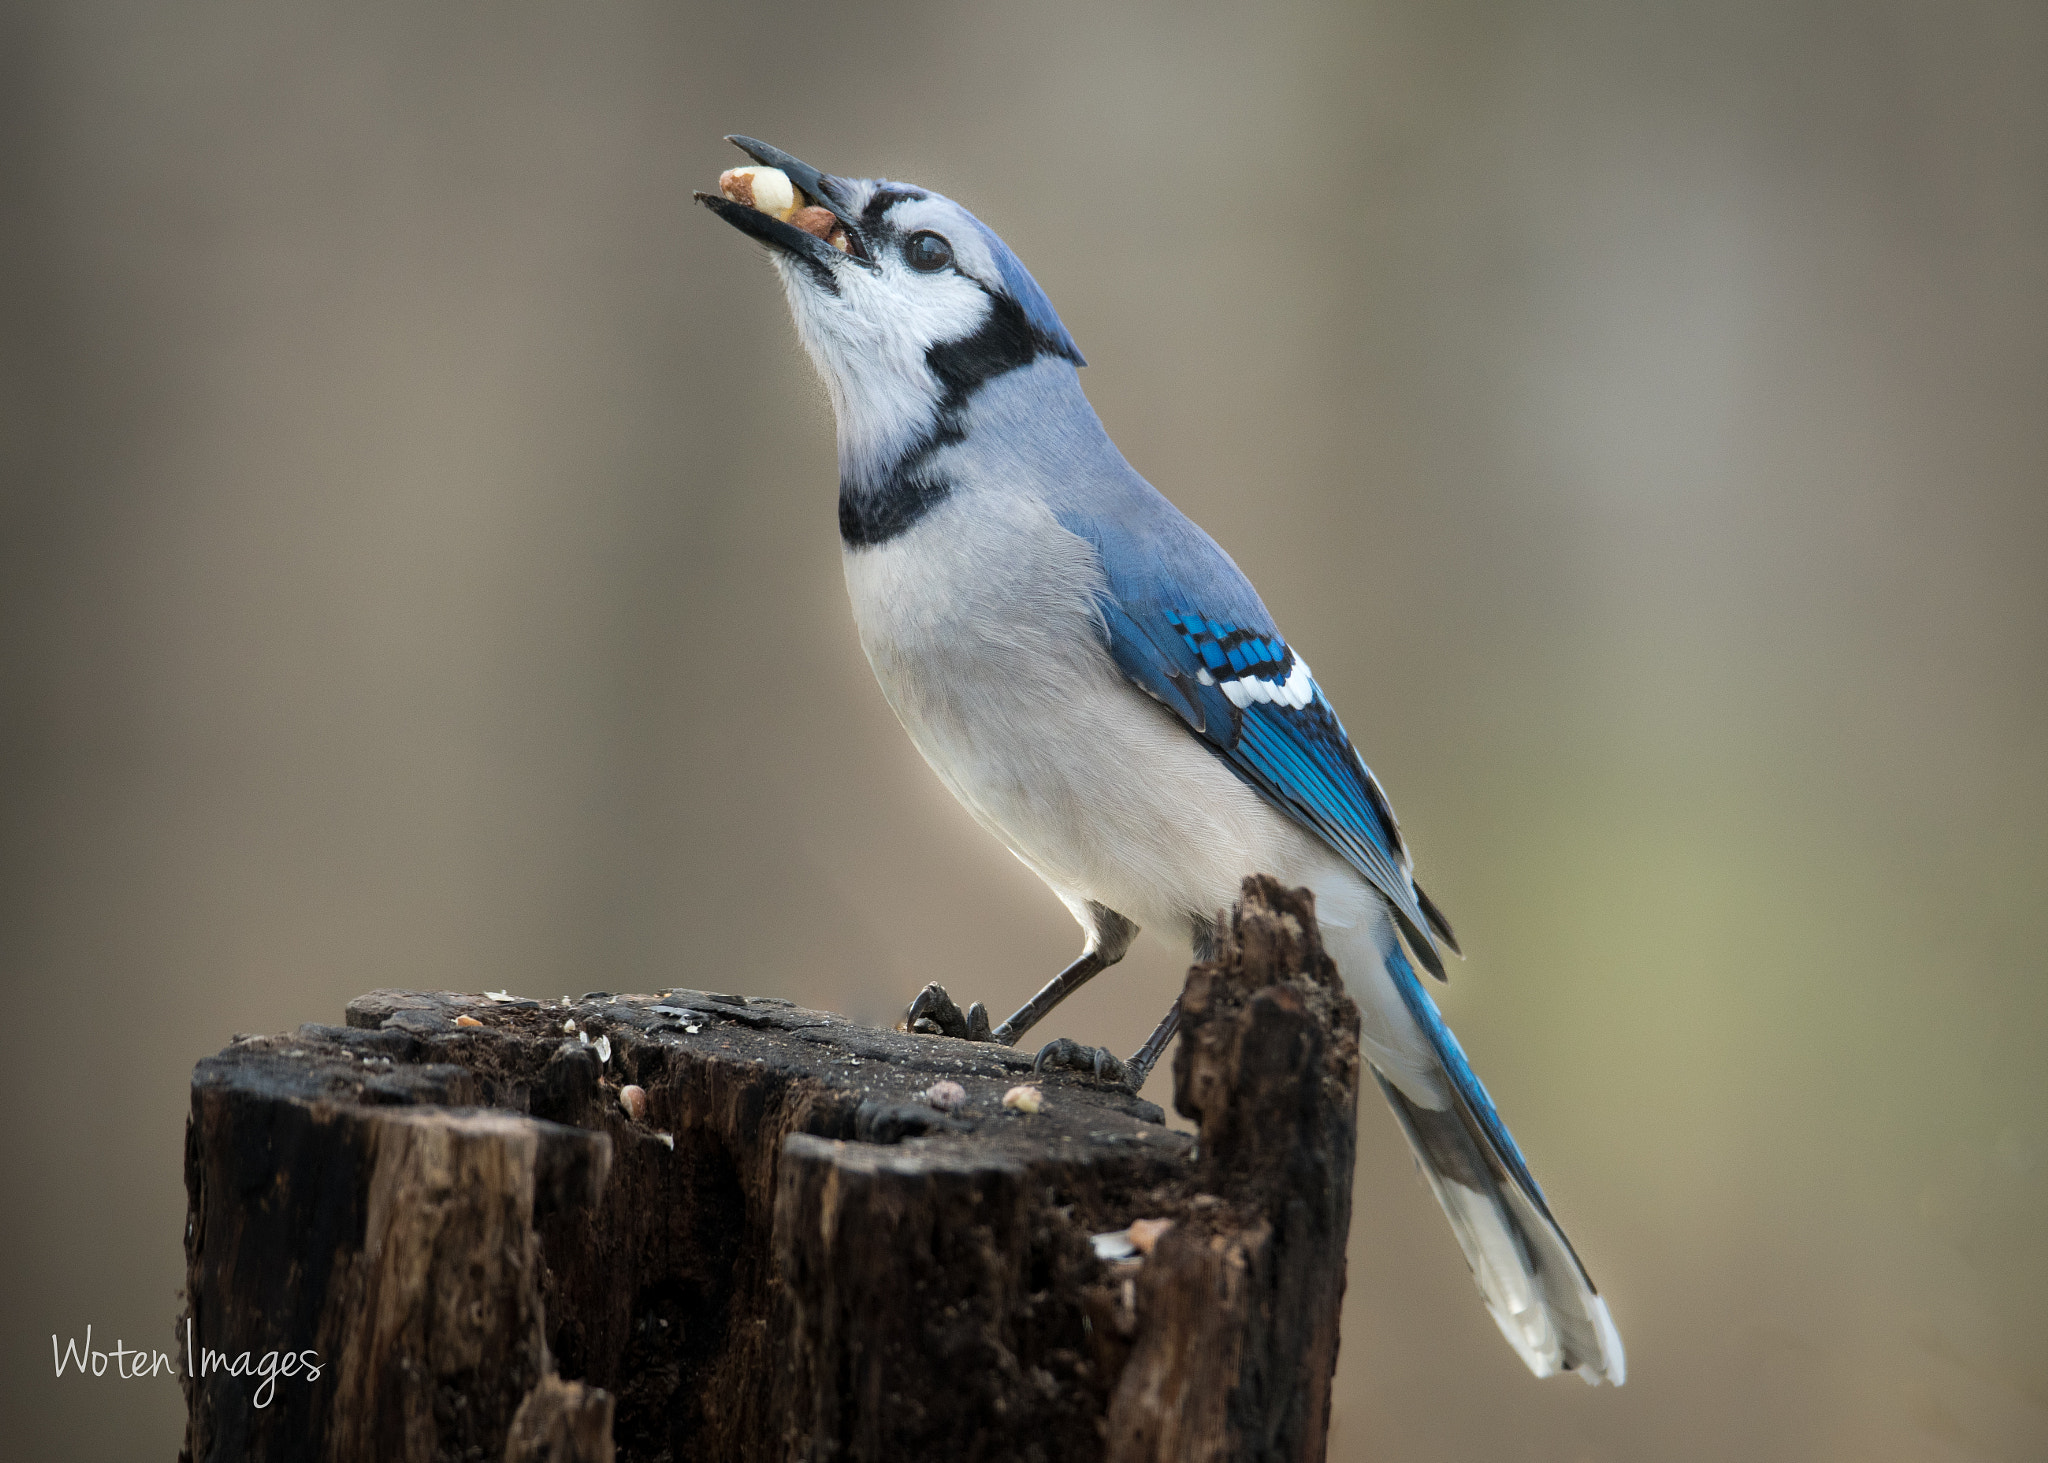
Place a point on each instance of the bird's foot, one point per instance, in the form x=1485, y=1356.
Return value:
x=934, y=1013
x=1062, y=1052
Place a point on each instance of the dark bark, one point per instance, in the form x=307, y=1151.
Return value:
x=788, y=1253
x=1240, y=1301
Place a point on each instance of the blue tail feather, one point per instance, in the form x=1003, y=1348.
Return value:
x=1532, y=1279
x=1456, y=1067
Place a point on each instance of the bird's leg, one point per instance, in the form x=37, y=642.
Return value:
x=1109, y=937
x=1035, y=1010
x=1139, y=1067
x=1063, y=1052
x=935, y=1013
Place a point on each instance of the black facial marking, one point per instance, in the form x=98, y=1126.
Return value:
x=883, y=200
x=1005, y=341
x=874, y=512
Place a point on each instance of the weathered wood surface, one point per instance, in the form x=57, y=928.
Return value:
x=789, y=1254
x=1241, y=1299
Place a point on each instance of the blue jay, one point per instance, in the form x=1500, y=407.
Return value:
x=1094, y=679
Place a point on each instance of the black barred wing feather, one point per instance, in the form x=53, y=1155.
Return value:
x=1251, y=698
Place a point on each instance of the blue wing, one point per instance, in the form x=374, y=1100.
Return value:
x=1200, y=642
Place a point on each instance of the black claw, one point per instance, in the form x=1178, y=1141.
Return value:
x=934, y=1014
x=1063, y=1052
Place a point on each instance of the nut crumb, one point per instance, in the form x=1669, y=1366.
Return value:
x=737, y=184
x=467, y=1021
x=1145, y=1233
x=814, y=220
x=1024, y=1098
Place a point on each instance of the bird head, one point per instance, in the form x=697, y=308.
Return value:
x=905, y=301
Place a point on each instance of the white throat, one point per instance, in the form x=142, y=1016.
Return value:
x=868, y=343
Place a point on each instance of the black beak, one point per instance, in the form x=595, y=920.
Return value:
x=820, y=188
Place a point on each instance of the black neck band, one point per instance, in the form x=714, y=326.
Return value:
x=874, y=511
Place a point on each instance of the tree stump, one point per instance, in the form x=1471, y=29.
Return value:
x=451, y=1229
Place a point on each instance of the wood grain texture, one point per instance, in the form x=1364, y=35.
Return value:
x=788, y=1254
x=1240, y=1302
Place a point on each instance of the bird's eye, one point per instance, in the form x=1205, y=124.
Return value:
x=927, y=252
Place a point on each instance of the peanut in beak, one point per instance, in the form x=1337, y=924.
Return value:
x=769, y=190
x=766, y=190
x=819, y=221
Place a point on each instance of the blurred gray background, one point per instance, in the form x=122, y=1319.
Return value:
x=418, y=566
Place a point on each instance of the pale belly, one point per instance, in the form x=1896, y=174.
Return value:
x=992, y=661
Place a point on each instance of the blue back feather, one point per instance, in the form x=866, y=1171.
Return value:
x=1183, y=621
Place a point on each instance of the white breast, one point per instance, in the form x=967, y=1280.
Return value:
x=981, y=627
x=982, y=630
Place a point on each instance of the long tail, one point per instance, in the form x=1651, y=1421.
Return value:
x=1532, y=1281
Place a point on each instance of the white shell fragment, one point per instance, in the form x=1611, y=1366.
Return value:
x=692, y=1021
x=765, y=189
x=1131, y=1243
x=945, y=1096
x=1116, y=1245
x=604, y=1049
x=1024, y=1098
x=667, y=1140
x=633, y=1098
x=570, y=1024
x=501, y=995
